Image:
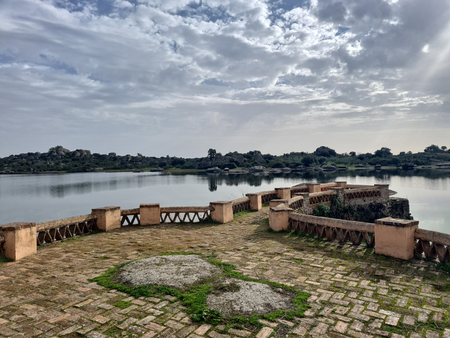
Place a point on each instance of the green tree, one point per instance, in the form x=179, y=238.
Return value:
x=308, y=161
x=325, y=152
x=383, y=152
x=432, y=149
x=212, y=154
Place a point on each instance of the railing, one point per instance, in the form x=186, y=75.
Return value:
x=185, y=214
x=299, y=189
x=332, y=229
x=321, y=197
x=267, y=196
x=361, y=193
x=296, y=202
x=2, y=242
x=127, y=213
x=433, y=245
x=240, y=204
x=53, y=231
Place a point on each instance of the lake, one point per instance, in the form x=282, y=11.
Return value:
x=45, y=197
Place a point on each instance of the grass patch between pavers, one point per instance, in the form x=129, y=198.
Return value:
x=5, y=260
x=430, y=325
x=194, y=296
x=123, y=304
x=242, y=213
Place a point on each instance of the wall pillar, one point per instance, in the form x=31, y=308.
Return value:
x=223, y=211
x=255, y=201
x=278, y=201
x=313, y=187
x=283, y=193
x=150, y=214
x=279, y=217
x=341, y=184
x=395, y=237
x=108, y=218
x=20, y=240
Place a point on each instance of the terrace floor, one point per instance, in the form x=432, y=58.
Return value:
x=354, y=293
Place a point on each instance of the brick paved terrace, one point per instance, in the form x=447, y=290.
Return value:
x=354, y=293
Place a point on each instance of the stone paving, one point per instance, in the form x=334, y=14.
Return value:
x=354, y=293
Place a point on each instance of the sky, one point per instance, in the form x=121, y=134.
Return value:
x=177, y=77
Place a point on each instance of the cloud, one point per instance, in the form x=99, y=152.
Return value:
x=73, y=69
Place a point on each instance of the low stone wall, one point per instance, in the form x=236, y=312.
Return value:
x=18, y=240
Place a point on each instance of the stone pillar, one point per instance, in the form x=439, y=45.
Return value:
x=20, y=240
x=314, y=187
x=278, y=201
x=384, y=189
x=307, y=210
x=255, y=201
x=283, y=193
x=395, y=237
x=279, y=217
x=108, y=218
x=150, y=214
x=341, y=184
x=223, y=211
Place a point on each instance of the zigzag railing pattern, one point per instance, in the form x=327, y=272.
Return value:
x=296, y=203
x=333, y=229
x=134, y=214
x=298, y=189
x=241, y=204
x=433, y=245
x=53, y=231
x=321, y=197
x=267, y=197
x=185, y=214
x=361, y=193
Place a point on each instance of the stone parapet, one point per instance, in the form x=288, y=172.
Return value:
x=20, y=239
x=150, y=214
x=255, y=201
x=222, y=211
x=279, y=217
x=314, y=187
x=395, y=237
x=283, y=193
x=108, y=218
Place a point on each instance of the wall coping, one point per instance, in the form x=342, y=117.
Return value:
x=394, y=222
x=17, y=226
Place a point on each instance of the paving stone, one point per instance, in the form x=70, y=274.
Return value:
x=341, y=327
x=346, y=300
x=202, y=329
x=263, y=333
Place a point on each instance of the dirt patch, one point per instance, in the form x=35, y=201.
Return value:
x=174, y=271
x=249, y=298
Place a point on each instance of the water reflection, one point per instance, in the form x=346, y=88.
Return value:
x=48, y=197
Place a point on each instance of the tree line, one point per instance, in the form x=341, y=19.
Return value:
x=61, y=159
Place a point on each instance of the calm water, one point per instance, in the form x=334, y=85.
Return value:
x=38, y=198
